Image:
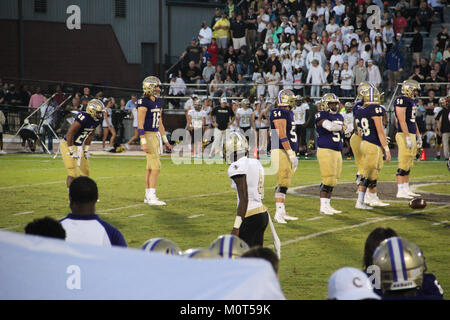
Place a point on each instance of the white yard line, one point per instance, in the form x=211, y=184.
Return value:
x=136, y=215
x=23, y=213
x=195, y=216
x=438, y=223
x=315, y=218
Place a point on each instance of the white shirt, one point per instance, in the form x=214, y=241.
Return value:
x=177, y=86
x=348, y=121
x=135, y=117
x=373, y=75
x=339, y=9
x=349, y=37
x=388, y=35
x=254, y=173
x=346, y=84
x=244, y=117
x=206, y=33
x=196, y=118
x=207, y=112
x=334, y=59
x=262, y=25
x=108, y=111
x=258, y=77
x=315, y=75
x=288, y=81
x=48, y=112
x=331, y=28
x=300, y=113
x=336, y=43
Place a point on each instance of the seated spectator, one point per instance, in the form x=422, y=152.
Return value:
x=434, y=78
x=46, y=227
x=192, y=74
x=192, y=53
x=425, y=68
x=208, y=72
x=177, y=89
x=350, y=284
x=244, y=61
x=435, y=55
x=229, y=57
x=243, y=90
x=82, y=225
x=215, y=87
x=232, y=72
x=206, y=56
x=438, y=8
x=229, y=86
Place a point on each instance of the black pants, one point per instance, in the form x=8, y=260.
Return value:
x=252, y=229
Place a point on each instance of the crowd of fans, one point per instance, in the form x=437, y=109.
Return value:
x=312, y=47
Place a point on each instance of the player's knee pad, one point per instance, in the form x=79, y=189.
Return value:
x=407, y=172
x=326, y=188
x=371, y=184
x=401, y=172
x=364, y=182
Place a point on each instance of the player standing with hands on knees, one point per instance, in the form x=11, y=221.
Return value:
x=408, y=136
x=284, y=147
x=149, y=124
x=330, y=129
x=80, y=135
x=370, y=121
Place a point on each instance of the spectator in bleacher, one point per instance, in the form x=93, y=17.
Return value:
x=316, y=78
x=273, y=79
x=399, y=23
x=394, y=65
x=244, y=62
x=434, y=78
x=430, y=103
x=75, y=105
x=229, y=86
x=221, y=29
x=82, y=225
x=424, y=17
x=238, y=33
x=215, y=86
x=417, y=75
x=438, y=8
x=229, y=57
x=192, y=53
x=252, y=26
x=36, y=100
x=132, y=103
x=205, y=35
x=25, y=94
x=425, y=68
x=86, y=98
x=416, y=45
x=440, y=72
x=232, y=72
x=206, y=56
x=359, y=72
x=192, y=74
x=12, y=97
x=346, y=78
x=230, y=8
x=208, y=72
x=213, y=49
x=259, y=80
x=46, y=227
x=263, y=19
x=442, y=39
x=339, y=10
x=352, y=57
x=217, y=17
x=388, y=36
x=177, y=89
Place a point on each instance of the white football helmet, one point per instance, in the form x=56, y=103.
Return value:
x=229, y=246
x=235, y=142
x=198, y=253
x=162, y=245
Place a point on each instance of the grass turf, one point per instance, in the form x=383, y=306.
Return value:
x=201, y=205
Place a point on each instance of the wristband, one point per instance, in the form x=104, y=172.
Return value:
x=143, y=141
x=141, y=132
x=386, y=148
x=291, y=153
x=284, y=140
x=164, y=138
x=237, y=222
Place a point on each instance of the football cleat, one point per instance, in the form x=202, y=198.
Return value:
x=229, y=246
x=154, y=202
x=413, y=194
x=288, y=217
x=403, y=194
x=328, y=210
x=162, y=245
x=362, y=206
x=279, y=218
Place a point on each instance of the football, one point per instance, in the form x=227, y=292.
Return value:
x=417, y=203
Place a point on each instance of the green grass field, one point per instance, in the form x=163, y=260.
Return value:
x=201, y=205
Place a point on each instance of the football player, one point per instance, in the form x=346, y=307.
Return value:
x=196, y=122
x=149, y=124
x=247, y=177
x=374, y=142
x=402, y=271
x=330, y=129
x=243, y=116
x=284, y=147
x=78, y=136
x=408, y=136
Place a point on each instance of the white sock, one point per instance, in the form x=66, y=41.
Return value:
x=361, y=195
x=279, y=206
x=147, y=193
x=152, y=193
x=406, y=186
x=323, y=201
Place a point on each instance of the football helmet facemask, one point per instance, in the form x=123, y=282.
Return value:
x=286, y=98
x=362, y=87
x=245, y=103
x=229, y=246
x=409, y=88
x=235, y=142
x=201, y=254
x=95, y=109
x=401, y=264
x=149, y=86
x=330, y=103
x=162, y=245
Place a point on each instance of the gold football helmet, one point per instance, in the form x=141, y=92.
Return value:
x=371, y=96
x=95, y=109
x=286, y=98
x=327, y=99
x=149, y=86
x=201, y=254
x=362, y=87
x=401, y=264
x=409, y=87
x=235, y=142
x=229, y=246
x=162, y=245
x=245, y=102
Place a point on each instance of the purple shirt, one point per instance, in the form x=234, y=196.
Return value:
x=366, y=124
x=153, y=114
x=410, y=113
x=87, y=126
x=329, y=139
